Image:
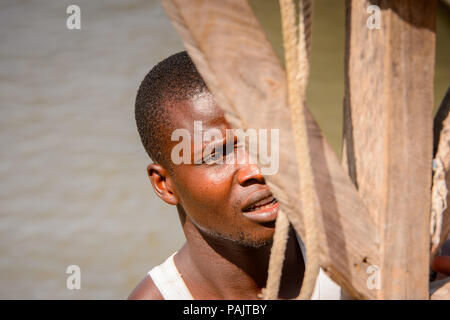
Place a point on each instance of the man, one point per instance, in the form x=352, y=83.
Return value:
x=226, y=210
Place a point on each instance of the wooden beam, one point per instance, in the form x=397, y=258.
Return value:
x=230, y=49
x=388, y=133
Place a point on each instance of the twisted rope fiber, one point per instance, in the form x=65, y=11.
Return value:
x=297, y=44
x=277, y=257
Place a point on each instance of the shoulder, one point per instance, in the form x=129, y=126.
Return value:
x=146, y=290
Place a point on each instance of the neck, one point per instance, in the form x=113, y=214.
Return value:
x=222, y=269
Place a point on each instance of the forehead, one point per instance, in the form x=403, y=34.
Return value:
x=201, y=107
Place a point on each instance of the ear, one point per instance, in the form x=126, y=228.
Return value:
x=162, y=183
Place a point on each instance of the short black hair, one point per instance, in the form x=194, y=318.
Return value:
x=174, y=79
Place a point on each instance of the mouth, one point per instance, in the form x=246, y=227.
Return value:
x=264, y=209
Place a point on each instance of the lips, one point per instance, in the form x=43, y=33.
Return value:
x=261, y=207
x=261, y=204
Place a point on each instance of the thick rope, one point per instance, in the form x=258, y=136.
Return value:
x=438, y=203
x=297, y=42
x=277, y=257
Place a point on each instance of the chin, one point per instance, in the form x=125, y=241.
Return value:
x=265, y=238
x=257, y=244
x=260, y=239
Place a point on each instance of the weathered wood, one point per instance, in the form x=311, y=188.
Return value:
x=240, y=67
x=388, y=133
x=442, y=152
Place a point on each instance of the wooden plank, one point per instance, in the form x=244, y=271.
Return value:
x=388, y=133
x=240, y=67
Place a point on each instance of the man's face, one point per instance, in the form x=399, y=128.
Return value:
x=226, y=201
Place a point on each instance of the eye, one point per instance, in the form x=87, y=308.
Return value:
x=218, y=154
x=214, y=156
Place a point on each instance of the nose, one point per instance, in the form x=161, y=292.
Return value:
x=248, y=174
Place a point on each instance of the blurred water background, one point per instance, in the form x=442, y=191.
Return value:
x=73, y=184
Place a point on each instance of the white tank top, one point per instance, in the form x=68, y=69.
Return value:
x=169, y=281
x=171, y=285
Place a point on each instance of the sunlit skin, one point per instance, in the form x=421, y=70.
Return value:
x=441, y=263
x=226, y=253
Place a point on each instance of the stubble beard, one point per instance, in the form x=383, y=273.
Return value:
x=242, y=239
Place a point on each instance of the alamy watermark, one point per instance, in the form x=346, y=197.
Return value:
x=374, y=20
x=74, y=280
x=73, y=21
x=374, y=280
x=211, y=147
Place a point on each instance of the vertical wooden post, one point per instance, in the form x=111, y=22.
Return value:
x=388, y=133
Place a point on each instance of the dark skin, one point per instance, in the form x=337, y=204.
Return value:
x=210, y=199
x=226, y=255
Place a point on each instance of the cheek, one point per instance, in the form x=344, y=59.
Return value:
x=205, y=192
